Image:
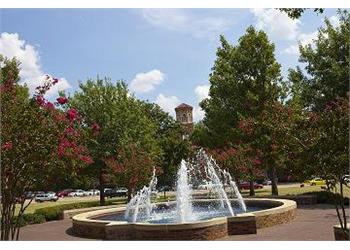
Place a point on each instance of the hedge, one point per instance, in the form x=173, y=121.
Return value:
x=28, y=219
x=327, y=197
x=42, y=215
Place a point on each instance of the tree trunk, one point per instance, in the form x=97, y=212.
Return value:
x=274, y=188
x=102, y=190
x=129, y=194
x=251, y=188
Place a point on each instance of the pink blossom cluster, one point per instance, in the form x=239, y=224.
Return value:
x=7, y=145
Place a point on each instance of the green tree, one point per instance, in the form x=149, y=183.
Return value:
x=325, y=76
x=245, y=79
x=115, y=120
x=324, y=151
x=296, y=13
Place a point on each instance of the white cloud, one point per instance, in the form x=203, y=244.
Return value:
x=183, y=21
x=146, y=82
x=198, y=113
x=277, y=24
x=202, y=92
x=31, y=73
x=168, y=103
x=334, y=21
x=303, y=39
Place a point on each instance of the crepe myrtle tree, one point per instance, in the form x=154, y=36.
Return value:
x=271, y=135
x=133, y=167
x=324, y=151
x=241, y=163
x=40, y=144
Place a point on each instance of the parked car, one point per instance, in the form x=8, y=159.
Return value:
x=316, y=182
x=165, y=188
x=49, y=196
x=246, y=185
x=267, y=182
x=29, y=195
x=77, y=193
x=92, y=192
x=116, y=192
x=64, y=193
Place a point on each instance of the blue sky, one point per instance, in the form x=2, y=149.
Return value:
x=165, y=55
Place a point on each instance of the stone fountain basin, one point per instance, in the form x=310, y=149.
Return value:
x=274, y=212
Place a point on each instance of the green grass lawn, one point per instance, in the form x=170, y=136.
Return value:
x=117, y=201
x=33, y=206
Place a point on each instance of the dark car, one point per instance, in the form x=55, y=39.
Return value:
x=246, y=185
x=64, y=193
x=116, y=192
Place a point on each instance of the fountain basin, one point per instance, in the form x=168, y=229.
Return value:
x=273, y=211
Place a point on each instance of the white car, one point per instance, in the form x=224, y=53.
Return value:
x=77, y=193
x=92, y=192
x=50, y=196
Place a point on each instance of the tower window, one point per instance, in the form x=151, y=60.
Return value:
x=184, y=118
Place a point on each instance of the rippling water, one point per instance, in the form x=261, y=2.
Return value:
x=165, y=215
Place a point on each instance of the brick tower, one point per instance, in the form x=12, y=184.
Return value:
x=184, y=116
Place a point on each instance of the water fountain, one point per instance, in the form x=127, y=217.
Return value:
x=220, y=212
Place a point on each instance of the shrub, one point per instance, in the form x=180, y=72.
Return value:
x=327, y=197
x=28, y=219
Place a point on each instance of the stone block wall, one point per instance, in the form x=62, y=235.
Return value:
x=246, y=225
x=273, y=219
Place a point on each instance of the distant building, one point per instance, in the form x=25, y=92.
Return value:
x=185, y=117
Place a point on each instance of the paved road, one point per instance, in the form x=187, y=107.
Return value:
x=312, y=223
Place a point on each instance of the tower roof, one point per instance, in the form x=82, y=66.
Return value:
x=183, y=106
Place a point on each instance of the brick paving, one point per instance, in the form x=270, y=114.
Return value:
x=314, y=222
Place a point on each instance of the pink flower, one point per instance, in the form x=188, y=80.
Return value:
x=257, y=161
x=7, y=145
x=72, y=114
x=62, y=147
x=40, y=100
x=95, y=128
x=62, y=100
x=71, y=131
x=87, y=159
x=49, y=105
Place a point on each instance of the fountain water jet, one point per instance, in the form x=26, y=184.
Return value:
x=204, y=168
x=183, y=195
x=140, y=206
